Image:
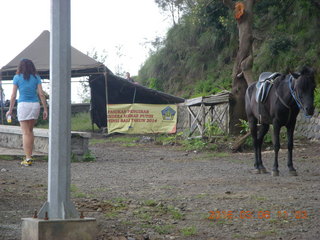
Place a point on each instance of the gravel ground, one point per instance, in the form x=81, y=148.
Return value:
x=146, y=191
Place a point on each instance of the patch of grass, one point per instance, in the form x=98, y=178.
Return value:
x=238, y=236
x=146, y=216
x=166, y=187
x=175, y=213
x=259, y=198
x=145, y=226
x=129, y=145
x=126, y=222
x=119, y=200
x=222, y=154
x=194, y=144
x=112, y=214
x=7, y=157
x=76, y=193
x=81, y=122
x=97, y=141
x=169, y=139
x=164, y=229
x=188, y=231
x=150, y=203
x=201, y=195
x=122, y=139
x=101, y=189
x=117, y=206
x=267, y=233
x=88, y=157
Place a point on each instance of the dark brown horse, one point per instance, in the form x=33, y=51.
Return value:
x=288, y=94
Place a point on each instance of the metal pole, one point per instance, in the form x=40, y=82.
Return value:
x=106, y=89
x=59, y=205
x=1, y=98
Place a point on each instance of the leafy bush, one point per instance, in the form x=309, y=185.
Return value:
x=317, y=98
x=280, y=44
x=213, y=130
x=194, y=144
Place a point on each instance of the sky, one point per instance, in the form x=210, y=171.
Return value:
x=101, y=25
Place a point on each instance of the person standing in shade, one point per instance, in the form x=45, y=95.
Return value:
x=28, y=82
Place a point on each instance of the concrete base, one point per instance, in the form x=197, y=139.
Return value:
x=59, y=229
x=11, y=137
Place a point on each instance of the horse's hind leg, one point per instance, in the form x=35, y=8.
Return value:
x=276, y=145
x=261, y=133
x=258, y=166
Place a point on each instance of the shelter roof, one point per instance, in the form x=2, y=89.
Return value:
x=39, y=52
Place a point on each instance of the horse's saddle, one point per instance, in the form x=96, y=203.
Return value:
x=264, y=85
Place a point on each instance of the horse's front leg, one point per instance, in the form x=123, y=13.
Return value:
x=276, y=146
x=261, y=133
x=292, y=170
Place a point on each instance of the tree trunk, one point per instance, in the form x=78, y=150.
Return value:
x=242, y=70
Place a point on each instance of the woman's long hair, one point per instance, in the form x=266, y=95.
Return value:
x=27, y=68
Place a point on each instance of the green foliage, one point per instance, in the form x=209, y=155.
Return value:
x=88, y=157
x=213, y=130
x=188, y=231
x=122, y=139
x=280, y=44
x=194, y=144
x=169, y=139
x=81, y=122
x=164, y=229
x=317, y=98
x=154, y=83
x=244, y=125
x=197, y=55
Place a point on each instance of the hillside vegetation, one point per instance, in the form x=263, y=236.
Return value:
x=196, y=57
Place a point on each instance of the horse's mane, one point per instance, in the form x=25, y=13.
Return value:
x=279, y=79
x=306, y=79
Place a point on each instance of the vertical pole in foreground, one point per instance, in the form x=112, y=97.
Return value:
x=58, y=205
x=1, y=98
x=107, y=102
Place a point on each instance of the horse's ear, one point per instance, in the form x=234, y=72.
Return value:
x=296, y=74
x=307, y=71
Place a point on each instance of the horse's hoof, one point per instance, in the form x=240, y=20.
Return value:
x=263, y=170
x=293, y=173
x=255, y=171
x=275, y=173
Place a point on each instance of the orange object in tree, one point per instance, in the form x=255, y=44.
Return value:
x=239, y=10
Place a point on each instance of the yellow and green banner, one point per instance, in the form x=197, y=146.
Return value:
x=140, y=118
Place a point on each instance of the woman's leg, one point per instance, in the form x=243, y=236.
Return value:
x=27, y=136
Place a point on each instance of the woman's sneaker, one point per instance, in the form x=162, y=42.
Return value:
x=26, y=162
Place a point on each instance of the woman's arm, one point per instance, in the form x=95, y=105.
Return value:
x=12, y=99
x=43, y=101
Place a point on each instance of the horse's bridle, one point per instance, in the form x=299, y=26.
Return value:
x=296, y=97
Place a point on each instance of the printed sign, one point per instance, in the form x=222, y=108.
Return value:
x=142, y=118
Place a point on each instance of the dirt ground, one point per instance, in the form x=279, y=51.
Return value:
x=146, y=191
